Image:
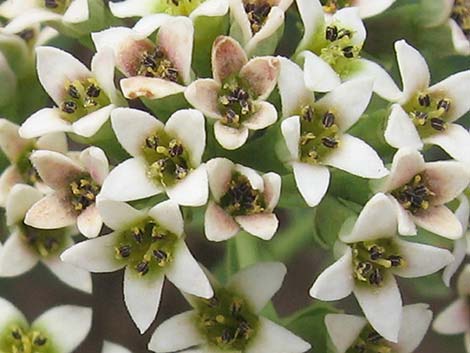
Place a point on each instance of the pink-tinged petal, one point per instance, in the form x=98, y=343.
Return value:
x=203, y=95
x=118, y=39
x=230, y=138
x=51, y=212
x=193, y=190
x=150, y=23
x=382, y=307
x=273, y=22
x=344, y=330
x=347, y=102
x=129, y=181
x=312, y=181
x=356, y=157
x=131, y=8
x=265, y=115
x=240, y=20
x=349, y=18
x=96, y=163
x=8, y=179
x=119, y=215
x=258, y=283
x=95, y=255
x=168, y=338
x=256, y=181
x=228, y=57
x=336, y=282
x=218, y=225
x=132, y=127
x=211, y=8
x=272, y=190
x=186, y=274
x=149, y=87
x=369, y=8
x=11, y=143
x=77, y=12
x=290, y=129
x=455, y=140
x=20, y=199
x=89, y=222
x=367, y=228
x=447, y=179
x=16, y=256
x=415, y=323
x=55, y=169
x=406, y=224
x=454, y=319
x=142, y=297
x=219, y=172
x=188, y=126
x=439, y=220
x=53, y=142
x=454, y=87
x=405, y=165
x=91, y=123
x=102, y=66
x=400, y=131
x=261, y=225
x=318, y=75
x=168, y=215
x=463, y=282
x=44, y=121
x=57, y=67
x=460, y=41
x=313, y=19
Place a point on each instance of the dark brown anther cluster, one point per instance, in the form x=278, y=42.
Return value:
x=415, y=195
x=156, y=64
x=241, y=198
x=257, y=11
x=83, y=193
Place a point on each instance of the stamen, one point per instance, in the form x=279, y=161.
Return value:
x=328, y=119
x=461, y=15
x=27, y=34
x=414, y=196
x=156, y=64
x=257, y=11
x=424, y=100
x=235, y=103
x=83, y=192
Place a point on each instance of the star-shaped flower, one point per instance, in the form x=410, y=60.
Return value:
x=150, y=245
x=353, y=332
x=236, y=96
x=26, y=245
x=426, y=115
x=76, y=185
x=315, y=132
x=241, y=198
x=230, y=321
x=420, y=191
x=371, y=254
x=367, y=8
x=84, y=98
x=166, y=158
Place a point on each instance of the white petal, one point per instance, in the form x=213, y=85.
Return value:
x=20, y=199
x=149, y=87
x=439, y=220
x=336, y=282
x=193, y=190
x=95, y=255
x=382, y=307
x=102, y=66
x=455, y=140
x=96, y=163
x=44, y=121
x=219, y=172
x=131, y=8
x=229, y=137
x=109, y=347
x=227, y=57
x=415, y=323
x=31, y=17
x=89, y=125
x=369, y=8
x=168, y=215
x=53, y=142
x=211, y=8
x=447, y=179
x=186, y=274
x=73, y=276
x=77, y=12
x=9, y=313
x=89, y=222
x=11, y=143
x=348, y=17
x=463, y=283
x=16, y=257
x=265, y=116
x=218, y=225
x=313, y=19
x=8, y=179
x=202, y=94
x=261, y=74
x=454, y=319
x=188, y=126
x=51, y=212
x=272, y=190
x=460, y=41
x=406, y=225
x=400, y=131
x=406, y=164
x=258, y=283
x=312, y=181
x=119, y=215
x=344, y=330
x=142, y=297
x=175, y=334
x=318, y=74
x=129, y=181
x=459, y=253
x=262, y=225
x=290, y=129
x=150, y=23
x=255, y=179
x=240, y=21
x=273, y=22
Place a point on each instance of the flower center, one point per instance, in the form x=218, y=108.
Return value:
x=415, y=195
x=257, y=11
x=156, y=64
x=331, y=6
x=372, y=258
x=83, y=192
x=318, y=134
x=58, y=6
x=241, y=199
x=44, y=242
x=167, y=158
x=82, y=98
x=369, y=341
x=235, y=103
x=226, y=320
x=19, y=340
x=25, y=167
x=28, y=35
x=181, y=7
x=461, y=15
x=147, y=247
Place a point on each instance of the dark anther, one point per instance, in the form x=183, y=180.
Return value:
x=226, y=336
x=421, y=115
x=160, y=255
x=375, y=277
x=438, y=124
x=364, y=267
x=73, y=92
x=26, y=34
x=138, y=235
x=149, y=61
x=348, y=52
x=50, y=243
x=328, y=119
x=235, y=307
x=344, y=33
x=329, y=142
x=142, y=267
x=231, y=116
x=395, y=260
x=308, y=114
x=175, y=149
x=213, y=302
x=51, y=4
x=375, y=253
x=16, y=334
x=40, y=341
x=175, y=2
x=424, y=100
x=125, y=250
x=93, y=91
x=151, y=142
x=444, y=104
x=331, y=33
x=374, y=337
x=69, y=107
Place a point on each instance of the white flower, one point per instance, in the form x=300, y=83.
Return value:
x=371, y=256
x=84, y=98
x=241, y=198
x=60, y=329
x=420, y=191
x=367, y=8
x=150, y=245
x=166, y=158
x=330, y=49
x=18, y=150
x=26, y=246
x=255, y=21
x=350, y=331
x=425, y=115
x=315, y=132
x=76, y=185
x=109, y=347
x=229, y=321
x=455, y=319
x=236, y=96
x=153, y=69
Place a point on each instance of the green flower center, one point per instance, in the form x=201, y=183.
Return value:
x=241, y=199
x=372, y=258
x=58, y=6
x=461, y=15
x=369, y=341
x=82, y=98
x=25, y=167
x=146, y=247
x=257, y=11
x=319, y=134
x=180, y=7
x=428, y=113
x=226, y=320
x=414, y=196
x=331, y=6
x=17, y=339
x=156, y=64
x=83, y=192
x=45, y=242
x=235, y=102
